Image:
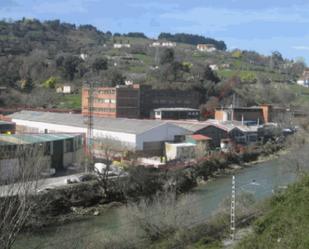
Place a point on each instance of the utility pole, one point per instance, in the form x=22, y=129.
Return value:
x=233, y=204
x=89, y=122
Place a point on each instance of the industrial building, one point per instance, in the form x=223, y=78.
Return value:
x=218, y=131
x=49, y=152
x=257, y=114
x=113, y=102
x=175, y=113
x=135, y=101
x=167, y=98
x=142, y=136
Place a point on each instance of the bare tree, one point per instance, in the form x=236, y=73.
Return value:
x=109, y=148
x=20, y=170
x=297, y=157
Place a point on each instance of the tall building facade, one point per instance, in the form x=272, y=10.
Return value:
x=113, y=102
x=136, y=101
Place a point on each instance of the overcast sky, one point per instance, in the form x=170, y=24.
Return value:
x=261, y=25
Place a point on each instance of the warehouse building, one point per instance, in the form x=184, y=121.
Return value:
x=135, y=101
x=143, y=136
x=50, y=152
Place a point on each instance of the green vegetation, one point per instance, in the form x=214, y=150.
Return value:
x=285, y=224
x=34, y=53
x=302, y=94
x=72, y=101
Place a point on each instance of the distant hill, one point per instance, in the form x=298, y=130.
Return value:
x=36, y=57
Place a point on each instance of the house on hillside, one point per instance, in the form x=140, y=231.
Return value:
x=206, y=47
x=168, y=44
x=304, y=80
x=122, y=45
x=65, y=89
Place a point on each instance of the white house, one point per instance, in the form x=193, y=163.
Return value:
x=155, y=44
x=214, y=67
x=122, y=45
x=169, y=44
x=66, y=89
x=304, y=80
x=206, y=47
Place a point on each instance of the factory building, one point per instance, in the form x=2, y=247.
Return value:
x=49, y=152
x=135, y=101
x=113, y=102
x=142, y=136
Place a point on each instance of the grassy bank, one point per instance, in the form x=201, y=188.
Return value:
x=285, y=224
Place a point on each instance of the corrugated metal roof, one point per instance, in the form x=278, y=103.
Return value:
x=33, y=138
x=134, y=126
x=176, y=109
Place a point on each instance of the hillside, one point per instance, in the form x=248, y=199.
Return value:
x=36, y=57
x=286, y=224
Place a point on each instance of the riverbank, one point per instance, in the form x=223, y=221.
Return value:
x=201, y=202
x=84, y=200
x=234, y=168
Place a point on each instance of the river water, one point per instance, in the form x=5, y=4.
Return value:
x=260, y=180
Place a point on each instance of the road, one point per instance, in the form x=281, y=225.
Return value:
x=36, y=186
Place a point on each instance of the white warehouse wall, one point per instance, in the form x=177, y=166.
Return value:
x=50, y=127
x=126, y=138
x=166, y=132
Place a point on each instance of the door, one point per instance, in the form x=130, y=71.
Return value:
x=57, y=156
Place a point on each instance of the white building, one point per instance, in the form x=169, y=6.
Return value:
x=169, y=44
x=122, y=45
x=155, y=44
x=206, y=47
x=181, y=151
x=166, y=44
x=66, y=89
x=304, y=80
x=214, y=67
x=134, y=134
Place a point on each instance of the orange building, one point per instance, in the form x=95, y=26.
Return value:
x=259, y=114
x=114, y=102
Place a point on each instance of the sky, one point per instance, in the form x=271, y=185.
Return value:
x=261, y=25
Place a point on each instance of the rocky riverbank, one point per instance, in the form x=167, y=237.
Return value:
x=82, y=200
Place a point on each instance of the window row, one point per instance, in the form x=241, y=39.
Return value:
x=113, y=101
x=104, y=109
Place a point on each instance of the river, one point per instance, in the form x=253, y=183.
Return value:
x=259, y=179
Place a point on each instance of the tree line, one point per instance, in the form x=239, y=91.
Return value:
x=193, y=39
